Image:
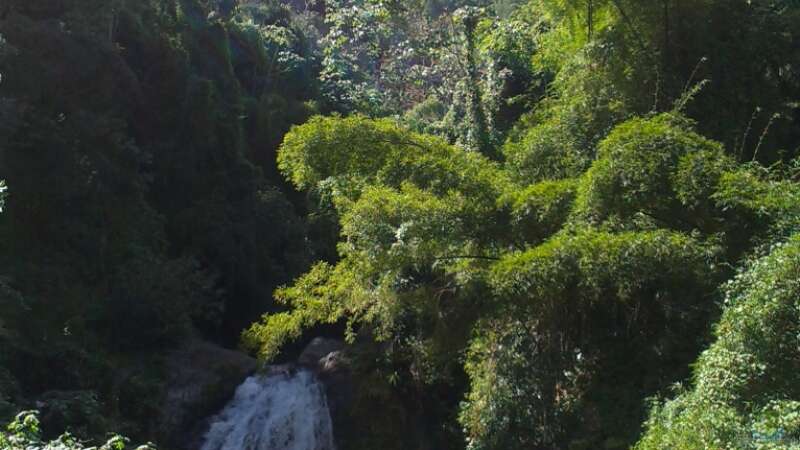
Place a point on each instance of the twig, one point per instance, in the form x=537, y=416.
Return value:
x=490, y=258
x=747, y=131
x=694, y=72
x=764, y=134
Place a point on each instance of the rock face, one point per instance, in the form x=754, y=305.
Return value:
x=366, y=410
x=202, y=378
x=318, y=349
x=328, y=359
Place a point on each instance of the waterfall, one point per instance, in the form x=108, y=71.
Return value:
x=284, y=409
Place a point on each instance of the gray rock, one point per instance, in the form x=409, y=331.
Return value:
x=318, y=349
x=328, y=359
x=202, y=377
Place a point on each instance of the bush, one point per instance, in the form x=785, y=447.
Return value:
x=552, y=352
x=541, y=209
x=745, y=385
x=24, y=433
x=652, y=167
x=546, y=152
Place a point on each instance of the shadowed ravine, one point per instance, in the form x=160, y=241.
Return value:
x=284, y=409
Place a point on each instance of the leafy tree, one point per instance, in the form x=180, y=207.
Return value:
x=427, y=187
x=558, y=289
x=646, y=58
x=546, y=358
x=642, y=165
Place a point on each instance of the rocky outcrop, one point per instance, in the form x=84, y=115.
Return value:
x=317, y=350
x=202, y=377
x=367, y=410
x=328, y=359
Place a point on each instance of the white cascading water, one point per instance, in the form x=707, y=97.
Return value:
x=285, y=409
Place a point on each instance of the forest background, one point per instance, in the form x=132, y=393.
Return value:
x=540, y=224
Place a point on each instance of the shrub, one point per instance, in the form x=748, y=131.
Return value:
x=24, y=433
x=745, y=385
x=652, y=167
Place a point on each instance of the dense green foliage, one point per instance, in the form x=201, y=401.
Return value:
x=578, y=276
x=23, y=433
x=138, y=142
x=448, y=252
x=526, y=216
x=744, y=392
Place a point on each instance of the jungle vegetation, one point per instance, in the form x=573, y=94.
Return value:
x=540, y=224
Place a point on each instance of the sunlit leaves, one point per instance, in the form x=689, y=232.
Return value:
x=541, y=209
x=366, y=151
x=546, y=151
x=24, y=433
x=639, y=166
x=562, y=307
x=557, y=270
x=770, y=197
x=410, y=208
x=591, y=261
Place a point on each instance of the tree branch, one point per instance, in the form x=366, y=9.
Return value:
x=490, y=258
